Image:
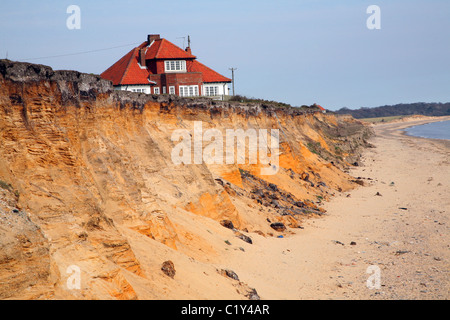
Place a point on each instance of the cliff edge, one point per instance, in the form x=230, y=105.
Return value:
x=92, y=203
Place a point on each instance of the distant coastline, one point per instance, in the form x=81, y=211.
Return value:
x=402, y=124
x=433, y=109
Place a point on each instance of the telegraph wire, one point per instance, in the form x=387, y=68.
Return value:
x=80, y=53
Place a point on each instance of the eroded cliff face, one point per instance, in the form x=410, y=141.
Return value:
x=88, y=181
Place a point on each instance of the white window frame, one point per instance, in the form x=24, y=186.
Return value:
x=175, y=65
x=164, y=90
x=156, y=90
x=189, y=91
x=211, y=91
x=138, y=90
x=172, y=90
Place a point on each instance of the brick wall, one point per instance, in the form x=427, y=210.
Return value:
x=177, y=79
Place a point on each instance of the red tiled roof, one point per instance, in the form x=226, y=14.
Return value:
x=209, y=75
x=164, y=49
x=127, y=70
x=320, y=107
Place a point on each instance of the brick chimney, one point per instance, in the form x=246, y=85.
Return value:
x=188, y=49
x=142, y=57
x=152, y=37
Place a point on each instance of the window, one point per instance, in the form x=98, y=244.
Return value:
x=164, y=90
x=138, y=90
x=175, y=65
x=188, y=91
x=171, y=90
x=156, y=90
x=211, y=90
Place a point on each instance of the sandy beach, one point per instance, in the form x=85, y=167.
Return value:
x=397, y=225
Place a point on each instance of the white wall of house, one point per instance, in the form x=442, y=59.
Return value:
x=216, y=89
x=135, y=88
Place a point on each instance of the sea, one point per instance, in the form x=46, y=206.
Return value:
x=434, y=130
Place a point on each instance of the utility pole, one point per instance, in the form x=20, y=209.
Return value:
x=232, y=77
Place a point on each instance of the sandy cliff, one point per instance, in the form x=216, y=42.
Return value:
x=87, y=180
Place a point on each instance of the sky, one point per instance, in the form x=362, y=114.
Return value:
x=294, y=51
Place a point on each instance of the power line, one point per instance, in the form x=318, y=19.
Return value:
x=184, y=40
x=82, y=52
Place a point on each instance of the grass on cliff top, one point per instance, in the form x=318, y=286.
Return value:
x=272, y=103
x=244, y=99
x=382, y=119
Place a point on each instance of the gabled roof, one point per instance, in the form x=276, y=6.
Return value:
x=164, y=49
x=127, y=70
x=209, y=75
x=320, y=107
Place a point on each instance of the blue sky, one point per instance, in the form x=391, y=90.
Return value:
x=299, y=52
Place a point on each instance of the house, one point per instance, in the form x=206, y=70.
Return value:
x=322, y=109
x=318, y=108
x=158, y=66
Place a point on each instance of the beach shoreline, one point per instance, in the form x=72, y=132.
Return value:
x=412, y=123
x=397, y=224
